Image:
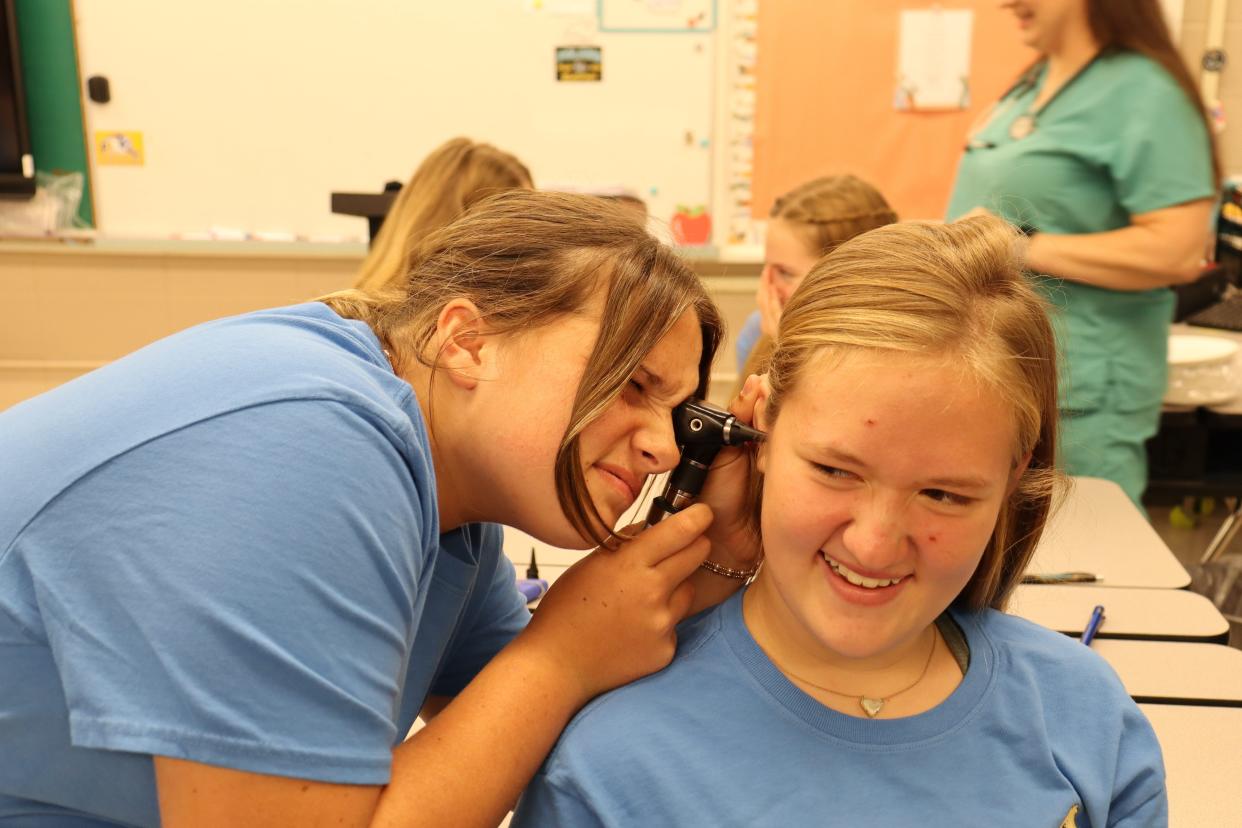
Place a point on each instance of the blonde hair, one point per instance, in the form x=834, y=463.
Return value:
x=956, y=291
x=824, y=213
x=526, y=259
x=456, y=175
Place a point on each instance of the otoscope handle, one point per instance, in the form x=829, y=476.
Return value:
x=685, y=483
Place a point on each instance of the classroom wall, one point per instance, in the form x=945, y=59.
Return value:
x=826, y=80
x=253, y=111
x=1193, y=37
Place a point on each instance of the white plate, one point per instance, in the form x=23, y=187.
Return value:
x=1186, y=349
x=1200, y=398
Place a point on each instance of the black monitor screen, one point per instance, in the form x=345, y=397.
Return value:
x=14, y=138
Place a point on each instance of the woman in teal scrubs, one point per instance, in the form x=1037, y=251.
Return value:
x=1102, y=152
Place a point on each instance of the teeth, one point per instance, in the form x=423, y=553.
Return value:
x=859, y=580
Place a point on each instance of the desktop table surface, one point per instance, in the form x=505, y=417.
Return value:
x=1129, y=612
x=1202, y=749
x=1176, y=672
x=1097, y=529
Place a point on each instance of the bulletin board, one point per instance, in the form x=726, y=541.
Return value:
x=826, y=78
x=251, y=112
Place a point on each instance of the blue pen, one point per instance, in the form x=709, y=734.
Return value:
x=1093, y=625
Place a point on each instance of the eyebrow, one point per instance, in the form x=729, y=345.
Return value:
x=654, y=380
x=659, y=385
x=839, y=456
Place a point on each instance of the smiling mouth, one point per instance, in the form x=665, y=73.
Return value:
x=860, y=580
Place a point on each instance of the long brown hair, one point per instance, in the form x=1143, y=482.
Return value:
x=456, y=175
x=527, y=259
x=957, y=291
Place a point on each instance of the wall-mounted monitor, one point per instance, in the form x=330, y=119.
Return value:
x=17, y=172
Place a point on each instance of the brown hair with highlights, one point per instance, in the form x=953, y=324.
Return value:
x=527, y=259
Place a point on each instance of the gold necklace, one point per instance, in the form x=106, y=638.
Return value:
x=871, y=705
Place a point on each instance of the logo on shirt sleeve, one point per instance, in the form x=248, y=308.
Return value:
x=1071, y=819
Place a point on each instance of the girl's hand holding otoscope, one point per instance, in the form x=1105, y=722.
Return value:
x=716, y=468
x=611, y=618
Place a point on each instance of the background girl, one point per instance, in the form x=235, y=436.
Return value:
x=805, y=223
x=457, y=174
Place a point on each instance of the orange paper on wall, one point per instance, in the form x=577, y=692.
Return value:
x=826, y=78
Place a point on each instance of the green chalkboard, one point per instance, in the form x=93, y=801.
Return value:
x=53, y=91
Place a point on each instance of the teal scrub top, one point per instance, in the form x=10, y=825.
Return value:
x=1121, y=139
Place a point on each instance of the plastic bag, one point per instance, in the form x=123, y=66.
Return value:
x=1221, y=582
x=52, y=209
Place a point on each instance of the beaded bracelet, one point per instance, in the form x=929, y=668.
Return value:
x=739, y=574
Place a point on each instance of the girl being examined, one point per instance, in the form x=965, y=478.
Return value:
x=869, y=675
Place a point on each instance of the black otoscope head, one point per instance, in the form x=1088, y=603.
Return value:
x=702, y=430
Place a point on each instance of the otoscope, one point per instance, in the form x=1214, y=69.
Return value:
x=702, y=430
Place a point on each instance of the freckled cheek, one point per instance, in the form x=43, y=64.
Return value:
x=604, y=435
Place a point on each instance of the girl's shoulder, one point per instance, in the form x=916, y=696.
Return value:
x=1026, y=649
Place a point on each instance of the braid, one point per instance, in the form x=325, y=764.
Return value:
x=833, y=209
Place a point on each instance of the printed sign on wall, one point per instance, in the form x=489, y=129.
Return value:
x=579, y=63
x=119, y=148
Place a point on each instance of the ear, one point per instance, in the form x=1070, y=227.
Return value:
x=464, y=348
x=762, y=422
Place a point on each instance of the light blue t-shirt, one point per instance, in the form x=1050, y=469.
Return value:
x=747, y=336
x=225, y=548
x=1039, y=726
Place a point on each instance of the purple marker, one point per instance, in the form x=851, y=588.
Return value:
x=532, y=588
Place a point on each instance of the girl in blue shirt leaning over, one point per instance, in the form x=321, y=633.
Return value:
x=868, y=676
x=236, y=564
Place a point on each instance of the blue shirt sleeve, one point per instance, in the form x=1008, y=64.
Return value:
x=1140, y=797
x=241, y=592
x=747, y=336
x=495, y=615
x=547, y=803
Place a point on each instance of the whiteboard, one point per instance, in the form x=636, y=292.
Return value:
x=253, y=111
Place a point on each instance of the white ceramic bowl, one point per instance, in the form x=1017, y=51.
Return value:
x=1202, y=370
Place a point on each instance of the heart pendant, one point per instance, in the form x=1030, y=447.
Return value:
x=871, y=707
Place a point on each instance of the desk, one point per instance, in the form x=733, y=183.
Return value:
x=1097, y=529
x=1151, y=614
x=1176, y=672
x=1202, y=760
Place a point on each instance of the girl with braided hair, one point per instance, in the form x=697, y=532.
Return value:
x=806, y=223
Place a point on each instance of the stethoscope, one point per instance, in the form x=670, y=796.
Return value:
x=1025, y=124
